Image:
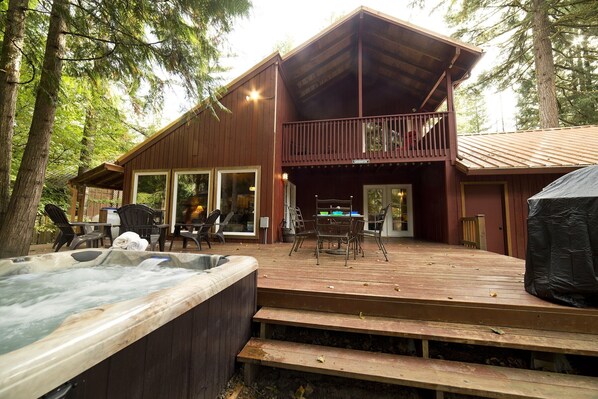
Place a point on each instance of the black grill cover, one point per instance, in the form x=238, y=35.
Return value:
x=562, y=248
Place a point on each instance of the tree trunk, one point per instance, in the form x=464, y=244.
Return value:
x=16, y=231
x=10, y=68
x=88, y=139
x=544, y=62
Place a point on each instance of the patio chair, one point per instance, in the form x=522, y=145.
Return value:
x=198, y=232
x=303, y=228
x=141, y=219
x=220, y=233
x=67, y=234
x=374, y=229
x=335, y=224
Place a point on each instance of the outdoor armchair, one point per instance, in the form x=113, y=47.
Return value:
x=67, y=234
x=198, y=232
x=141, y=219
x=220, y=232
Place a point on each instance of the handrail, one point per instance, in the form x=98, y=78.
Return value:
x=379, y=139
x=474, y=232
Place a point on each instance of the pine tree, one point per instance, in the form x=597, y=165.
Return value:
x=535, y=38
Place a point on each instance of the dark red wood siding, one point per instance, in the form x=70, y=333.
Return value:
x=427, y=180
x=243, y=137
x=518, y=189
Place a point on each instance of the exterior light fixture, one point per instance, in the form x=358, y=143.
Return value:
x=285, y=176
x=254, y=95
x=251, y=188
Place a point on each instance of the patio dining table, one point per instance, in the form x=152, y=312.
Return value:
x=334, y=216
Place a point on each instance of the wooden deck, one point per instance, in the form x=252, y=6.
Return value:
x=435, y=296
x=421, y=280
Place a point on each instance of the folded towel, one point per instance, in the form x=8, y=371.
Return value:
x=123, y=240
x=138, y=245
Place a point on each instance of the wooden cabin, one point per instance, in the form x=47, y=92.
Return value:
x=363, y=109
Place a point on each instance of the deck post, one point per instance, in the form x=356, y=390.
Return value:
x=452, y=125
x=250, y=371
x=481, y=232
x=425, y=349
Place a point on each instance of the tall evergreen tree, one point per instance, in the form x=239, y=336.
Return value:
x=132, y=39
x=10, y=72
x=531, y=36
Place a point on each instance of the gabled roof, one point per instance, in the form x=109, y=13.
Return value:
x=408, y=59
x=533, y=151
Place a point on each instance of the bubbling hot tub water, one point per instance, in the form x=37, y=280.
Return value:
x=69, y=314
x=32, y=305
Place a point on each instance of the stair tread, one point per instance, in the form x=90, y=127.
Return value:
x=519, y=338
x=449, y=376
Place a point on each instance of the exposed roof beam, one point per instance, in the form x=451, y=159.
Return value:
x=331, y=81
x=371, y=36
x=391, y=60
x=441, y=77
x=322, y=57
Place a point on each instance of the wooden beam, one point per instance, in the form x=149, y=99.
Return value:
x=440, y=79
x=360, y=66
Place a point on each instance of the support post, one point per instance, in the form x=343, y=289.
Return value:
x=360, y=67
x=481, y=230
x=450, y=103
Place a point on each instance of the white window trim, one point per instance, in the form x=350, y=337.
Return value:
x=152, y=173
x=175, y=186
x=220, y=172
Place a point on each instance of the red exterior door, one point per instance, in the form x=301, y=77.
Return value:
x=488, y=200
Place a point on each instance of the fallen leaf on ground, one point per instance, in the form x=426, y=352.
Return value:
x=331, y=286
x=449, y=297
x=321, y=359
x=397, y=289
x=299, y=392
x=497, y=331
x=361, y=316
x=493, y=294
x=365, y=284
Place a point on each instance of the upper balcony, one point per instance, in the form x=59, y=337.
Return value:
x=413, y=137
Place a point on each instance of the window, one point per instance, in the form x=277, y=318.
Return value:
x=150, y=188
x=191, y=195
x=237, y=192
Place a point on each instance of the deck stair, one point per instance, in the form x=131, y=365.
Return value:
x=423, y=372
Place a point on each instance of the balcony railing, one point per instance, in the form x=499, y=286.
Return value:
x=395, y=138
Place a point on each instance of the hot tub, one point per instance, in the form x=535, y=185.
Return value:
x=174, y=339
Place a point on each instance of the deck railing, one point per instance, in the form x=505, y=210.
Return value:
x=394, y=138
x=474, y=232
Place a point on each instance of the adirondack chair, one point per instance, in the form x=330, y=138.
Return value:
x=220, y=233
x=67, y=234
x=198, y=232
x=141, y=219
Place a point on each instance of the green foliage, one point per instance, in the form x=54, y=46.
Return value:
x=470, y=106
x=507, y=24
x=284, y=46
x=120, y=57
